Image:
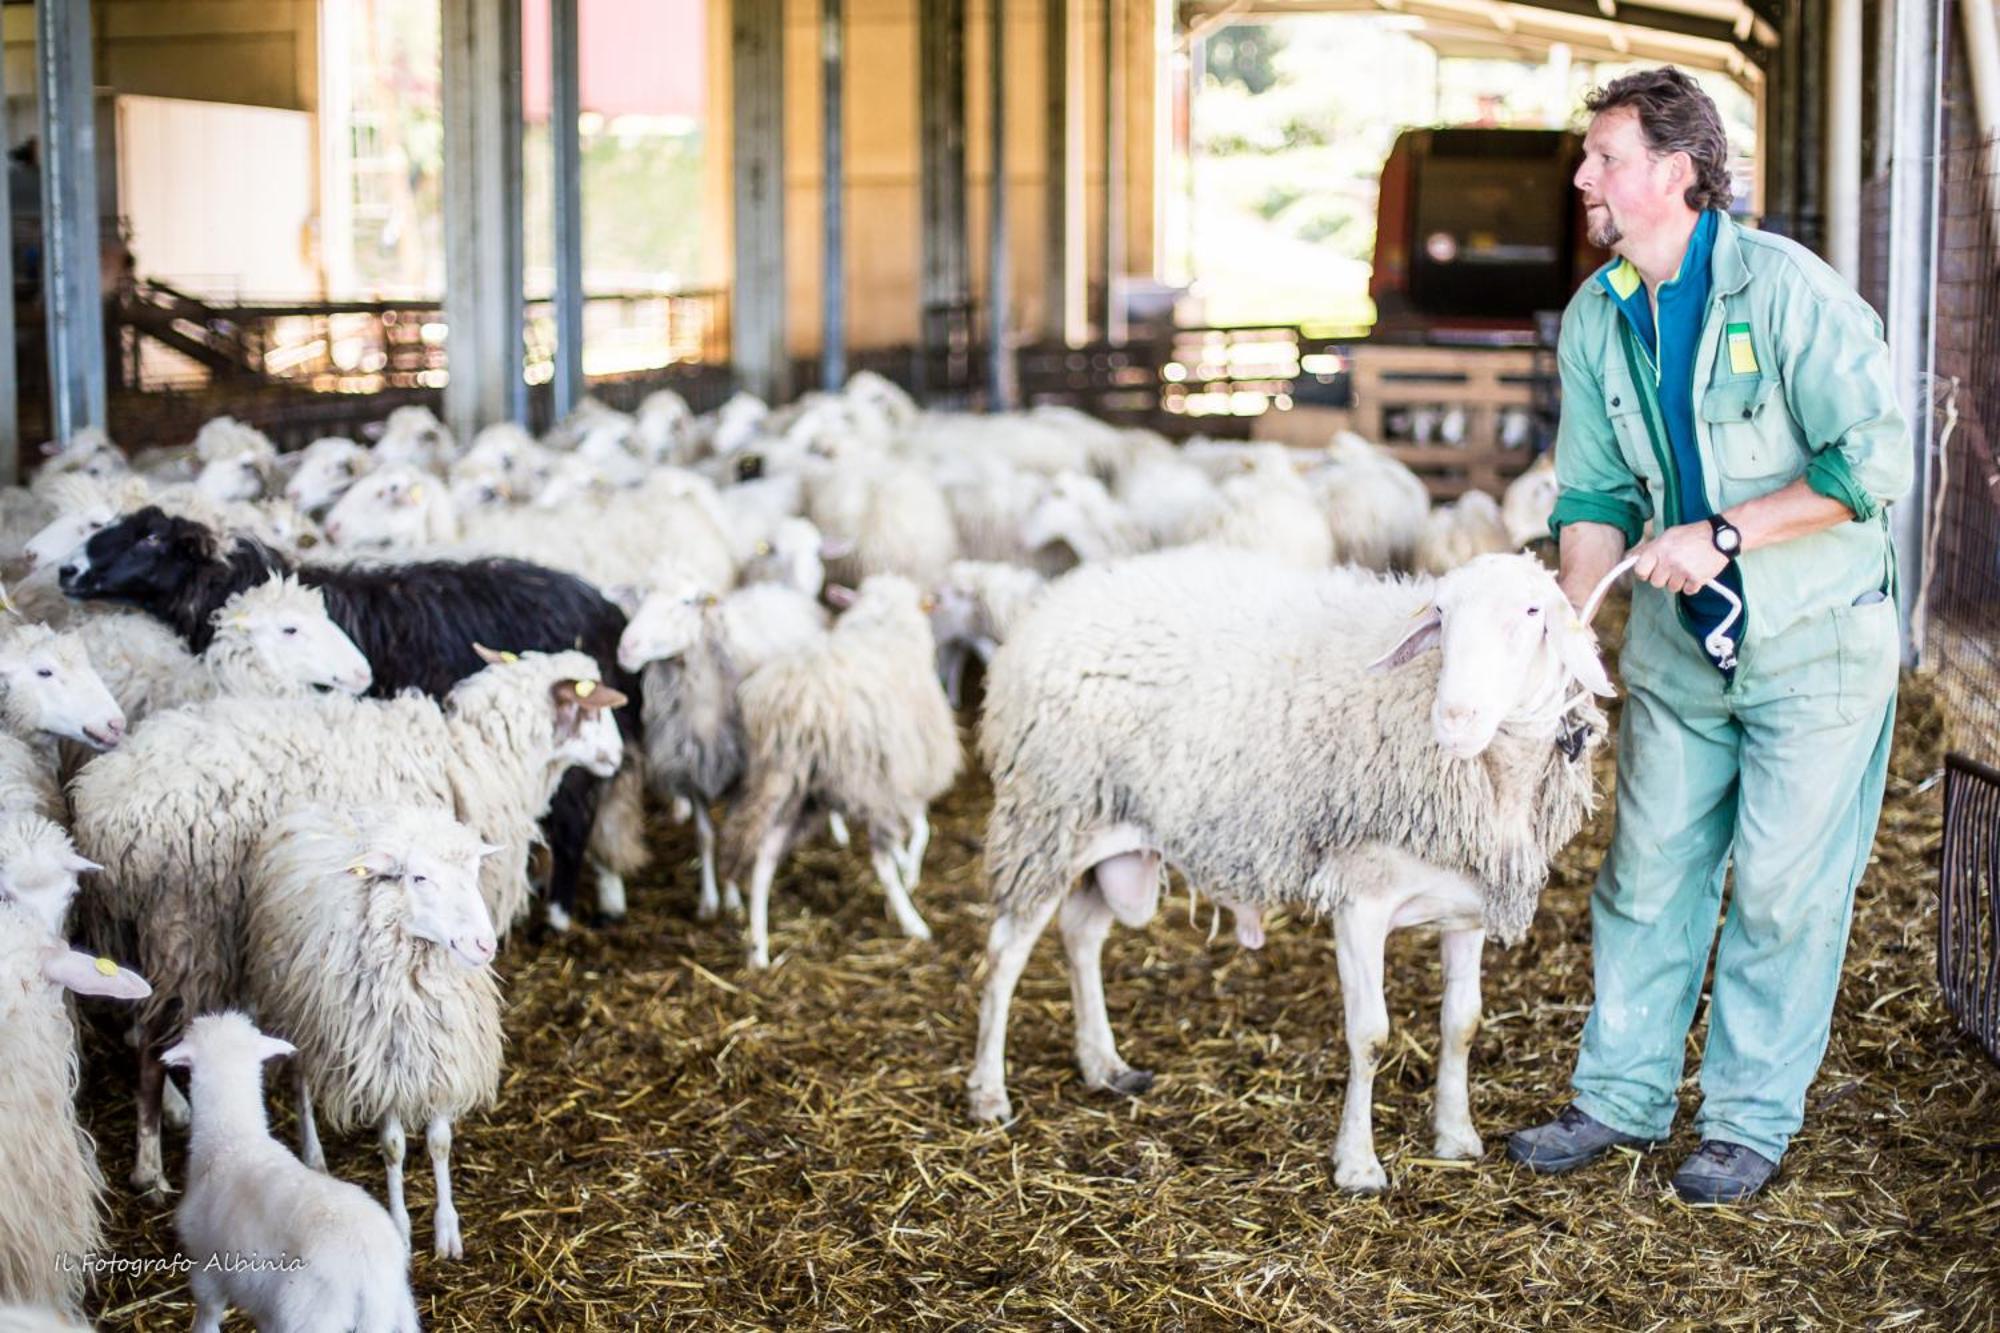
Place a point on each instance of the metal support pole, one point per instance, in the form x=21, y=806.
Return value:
x=1811, y=110
x=10, y=389
x=482, y=214
x=757, y=315
x=1843, y=139
x=947, y=246
x=833, y=187
x=72, y=283
x=1062, y=169
x=1114, y=176
x=1914, y=179
x=565, y=105
x=999, y=281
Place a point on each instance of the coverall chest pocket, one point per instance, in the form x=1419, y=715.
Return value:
x=1628, y=423
x=1750, y=429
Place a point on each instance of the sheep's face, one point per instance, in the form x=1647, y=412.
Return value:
x=144, y=558
x=587, y=726
x=795, y=556
x=666, y=624
x=224, y=1041
x=42, y=877
x=325, y=471
x=52, y=688
x=228, y=480
x=441, y=890
x=1511, y=647
x=54, y=544
x=1066, y=510
x=286, y=626
x=480, y=487
x=385, y=508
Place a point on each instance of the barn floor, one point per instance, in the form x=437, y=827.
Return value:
x=681, y=1144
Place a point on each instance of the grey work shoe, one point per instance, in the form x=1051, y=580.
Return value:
x=1722, y=1172
x=1574, y=1138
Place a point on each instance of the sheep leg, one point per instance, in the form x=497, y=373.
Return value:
x=309, y=1148
x=1008, y=944
x=836, y=827
x=392, y=1163
x=1085, y=922
x=769, y=848
x=883, y=851
x=210, y=1305
x=951, y=667
x=1458, y=1022
x=1359, y=932
x=148, y=1173
x=910, y=856
x=444, y=1224
x=708, y=905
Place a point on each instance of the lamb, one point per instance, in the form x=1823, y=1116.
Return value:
x=238, y=462
x=342, y=1267
x=664, y=429
x=416, y=624
x=368, y=947
x=51, y=695
x=693, y=650
x=413, y=434
x=1077, y=522
x=49, y=1180
x=892, y=516
x=1389, y=753
x=975, y=608
x=853, y=723
x=492, y=753
x=1267, y=507
x=794, y=556
x=1374, y=505
x=1454, y=533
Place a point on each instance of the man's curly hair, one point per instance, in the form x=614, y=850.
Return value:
x=1675, y=116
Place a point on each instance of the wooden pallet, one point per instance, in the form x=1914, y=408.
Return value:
x=1484, y=381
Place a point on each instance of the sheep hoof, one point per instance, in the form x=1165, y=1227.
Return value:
x=1458, y=1145
x=759, y=959
x=449, y=1243
x=152, y=1188
x=988, y=1106
x=558, y=919
x=1130, y=1082
x=606, y=920
x=1361, y=1177
x=707, y=909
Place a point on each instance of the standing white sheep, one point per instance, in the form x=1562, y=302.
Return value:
x=975, y=608
x=1284, y=737
x=296, y=1250
x=854, y=724
x=1374, y=505
x=1454, y=533
x=49, y=1180
x=368, y=947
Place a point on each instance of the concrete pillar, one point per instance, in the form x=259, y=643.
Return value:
x=72, y=283
x=482, y=214
x=565, y=104
x=757, y=304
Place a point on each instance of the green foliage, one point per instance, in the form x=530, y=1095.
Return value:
x=1246, y=55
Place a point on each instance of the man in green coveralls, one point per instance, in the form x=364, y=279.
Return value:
x=1728, y=386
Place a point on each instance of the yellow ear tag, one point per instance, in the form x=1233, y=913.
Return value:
x=510, y=657
x=1575, y=621
x=359, y=872
x=240, y=622
x=585, y=688
x=106, y=968
x=416, y=495
x=763, y=548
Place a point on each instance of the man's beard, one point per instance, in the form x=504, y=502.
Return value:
x=1603, y=232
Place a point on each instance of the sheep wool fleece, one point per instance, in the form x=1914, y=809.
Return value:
x=1777, y=770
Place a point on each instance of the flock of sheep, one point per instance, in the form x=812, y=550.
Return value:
x=289, y=744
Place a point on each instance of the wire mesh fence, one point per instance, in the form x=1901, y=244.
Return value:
x=1959, y=603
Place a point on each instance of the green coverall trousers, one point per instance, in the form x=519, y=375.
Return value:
x=1779, y=773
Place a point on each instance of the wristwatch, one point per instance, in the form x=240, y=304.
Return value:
x=1727, y=539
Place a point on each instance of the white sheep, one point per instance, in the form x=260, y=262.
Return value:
x=413, y=434
x=292, y=1248
x=174, y=815
x=88, y=451
x=1455, y=533
x=1530, y=501
x=50, y=1184
x=853, y=723
x=794, y=556
x=692, y=650
x=52, y=695
x=36, y=1319
x=1267, y=507
x=975, y=607
x=1283, y=737
x=368, y=947
x=663, y=430
x=891, y=518
x=1374, y=505
x=1078, y=522
x=238, y=461
x=324, y=471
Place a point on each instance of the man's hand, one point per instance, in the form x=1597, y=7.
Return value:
x=1681, y=559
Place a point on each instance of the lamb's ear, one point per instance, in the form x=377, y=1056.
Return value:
x=177, y=1056
x=272, y=1048
x=487, y=849
x=80, y=865
x=87, y=974
x=1576, y=649
x=626, y=597
x=1421, y=637
x=839, y=596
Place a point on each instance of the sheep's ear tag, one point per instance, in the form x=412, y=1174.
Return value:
x=358, y=871
x=709, y=599
x=763, y=548
x=585, y=688
x=106, y=967
x=510, y=658
x=416, y=495
x=240, y=622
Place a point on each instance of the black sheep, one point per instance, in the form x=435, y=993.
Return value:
x=416, y=623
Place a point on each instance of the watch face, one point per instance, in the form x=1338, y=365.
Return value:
x=1727, y=540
